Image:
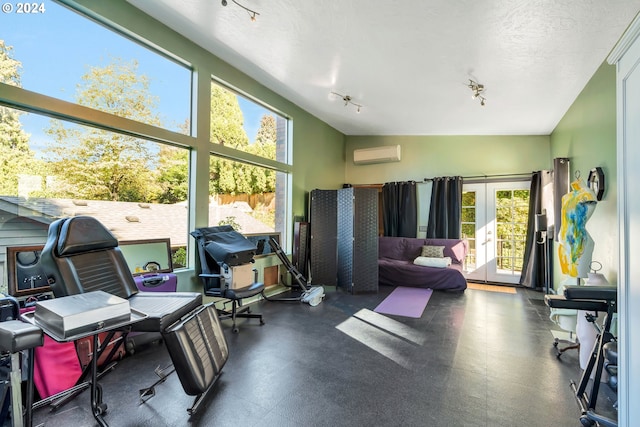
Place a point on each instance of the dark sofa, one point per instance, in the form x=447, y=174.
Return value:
x=396, y=268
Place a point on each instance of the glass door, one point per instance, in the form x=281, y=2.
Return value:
x=475, y=231
x=494, y=221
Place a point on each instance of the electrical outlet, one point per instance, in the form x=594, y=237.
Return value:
x=422, y=228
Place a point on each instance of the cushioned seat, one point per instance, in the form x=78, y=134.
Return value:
x=17, y=337
x=81, y=255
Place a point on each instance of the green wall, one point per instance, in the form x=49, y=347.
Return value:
x=429, y=156
x=318, y=161
x=587, y=136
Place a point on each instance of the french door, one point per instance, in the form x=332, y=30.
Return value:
x=494, y=221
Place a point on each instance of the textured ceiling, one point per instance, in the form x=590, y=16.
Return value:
x=408, y=62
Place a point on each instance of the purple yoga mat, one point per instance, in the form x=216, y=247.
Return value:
x=405, y=301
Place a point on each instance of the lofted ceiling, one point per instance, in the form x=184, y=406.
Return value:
x=408, y=62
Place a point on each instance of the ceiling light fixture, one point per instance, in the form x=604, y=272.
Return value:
x=347, y=99
x=477, y=89
x=252, y=13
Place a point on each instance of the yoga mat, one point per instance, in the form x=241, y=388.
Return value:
x=405, y=301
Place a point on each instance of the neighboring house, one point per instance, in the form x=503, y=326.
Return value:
x=25, y=222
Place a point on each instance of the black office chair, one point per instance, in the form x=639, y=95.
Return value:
x=225, y=260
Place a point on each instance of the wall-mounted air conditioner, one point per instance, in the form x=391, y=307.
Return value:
x=387, y=153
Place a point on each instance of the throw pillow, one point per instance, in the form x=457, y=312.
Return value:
x=433, y=251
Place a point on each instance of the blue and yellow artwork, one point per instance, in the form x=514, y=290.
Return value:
x=576, y=245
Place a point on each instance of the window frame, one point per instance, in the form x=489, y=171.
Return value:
x=202, y=73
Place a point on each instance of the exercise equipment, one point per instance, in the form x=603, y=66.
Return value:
x=312, y=295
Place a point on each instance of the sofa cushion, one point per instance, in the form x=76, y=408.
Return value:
x=413, y=248
x=391, y=247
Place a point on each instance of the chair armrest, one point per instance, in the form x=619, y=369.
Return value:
x=210, y=275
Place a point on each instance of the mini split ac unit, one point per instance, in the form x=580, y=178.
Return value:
x=388, y=153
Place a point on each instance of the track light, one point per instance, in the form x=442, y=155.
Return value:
x=252, y=13
x=477, y=89
x=347, y=99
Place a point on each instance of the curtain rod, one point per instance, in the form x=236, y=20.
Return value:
x=521, y=176
x=527, y=174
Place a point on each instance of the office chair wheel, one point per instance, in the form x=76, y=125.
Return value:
x=586, y=422
x=235, y=330
x=261, y=322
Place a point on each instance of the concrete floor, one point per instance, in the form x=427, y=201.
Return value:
x=476, y=358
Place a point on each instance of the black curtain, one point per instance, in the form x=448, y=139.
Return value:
x=445, y=211
x=400, y=209
x=535, y=266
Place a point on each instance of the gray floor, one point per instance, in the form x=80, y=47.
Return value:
x=474, y=359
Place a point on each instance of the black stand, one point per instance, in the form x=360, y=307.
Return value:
x=598, y=299
x=98, y=407
x=541, y=227
x=587, y=401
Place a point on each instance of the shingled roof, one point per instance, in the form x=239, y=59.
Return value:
x=130, y=220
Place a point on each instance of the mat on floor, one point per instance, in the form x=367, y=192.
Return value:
x=491, y=288
x=405, y=301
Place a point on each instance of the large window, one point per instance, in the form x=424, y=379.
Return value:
x=58, y=159
x=136, y=188
x=245, y=125
x=251, y=198
x=67, y=56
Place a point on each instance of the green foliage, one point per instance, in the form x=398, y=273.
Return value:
x=264, y=180
x=174, y=174
x=229, y=177
x=226, y=119
x=92, y=163
x=9, y=67
x=469, y=214
x=512, y=210
x=469, y=198
x=230, y=220
x=15, y=156
x=179, y=258
x=98, y=164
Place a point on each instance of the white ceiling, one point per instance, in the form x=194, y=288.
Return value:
x=408, y=62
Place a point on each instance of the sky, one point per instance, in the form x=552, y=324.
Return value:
x=56, y=46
